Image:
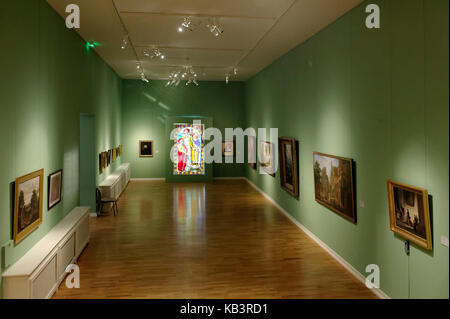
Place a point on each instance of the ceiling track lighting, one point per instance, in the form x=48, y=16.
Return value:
x=186, y=25
x=153, y=53
x=214, y=27
x=234, y=72
x=125, y=42
x=211, y=24
x=187, y=74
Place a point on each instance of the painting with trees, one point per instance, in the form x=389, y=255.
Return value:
x=27, y=204
x=333, y=184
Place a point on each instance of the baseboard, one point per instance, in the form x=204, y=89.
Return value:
x=378, y=292
x=148, y=179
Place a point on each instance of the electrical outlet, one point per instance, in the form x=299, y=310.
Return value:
x=444, y=240
x=362, y=204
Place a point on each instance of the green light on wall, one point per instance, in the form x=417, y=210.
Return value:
x=90, y=45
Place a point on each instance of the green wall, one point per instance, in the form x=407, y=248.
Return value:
x=381, y=98
x=147, y=106
x=48, y=79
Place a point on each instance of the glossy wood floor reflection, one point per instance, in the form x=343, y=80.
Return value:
x=215, y=240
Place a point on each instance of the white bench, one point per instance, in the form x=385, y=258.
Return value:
x=113, y=186
x=39, y=272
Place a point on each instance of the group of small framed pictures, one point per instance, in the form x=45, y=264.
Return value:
x=106, y=158
x=28, y=190
x=334, y=188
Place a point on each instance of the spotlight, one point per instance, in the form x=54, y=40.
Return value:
x=227, y=78
x=124, y=42
x=186, y=25
x=235, y=71
x=214, y=28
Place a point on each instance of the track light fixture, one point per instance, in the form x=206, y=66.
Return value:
x=124, y=42
x=211, y=24
x=214, y=27
x=153, y=53
x=233, y=72
x=187, y=74
x=186, y=25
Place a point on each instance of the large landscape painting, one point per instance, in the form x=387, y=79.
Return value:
x=333, y=183
x=27, y=204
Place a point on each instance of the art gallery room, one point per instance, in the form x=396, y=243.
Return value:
x=239, y=149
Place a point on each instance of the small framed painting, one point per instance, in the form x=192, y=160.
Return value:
x=104, y=160
x=409, y=213
x=100, y=163
x=267, y=157
x=333, y=184
x=251, y=152
x=287, y=152
x=109, y=157
x=54, y=189
x=145, y=148
x=114, y=154
x=228, y=148
x=27, y=204
x=120, y=150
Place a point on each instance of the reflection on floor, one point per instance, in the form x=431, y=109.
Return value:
x=215, y=240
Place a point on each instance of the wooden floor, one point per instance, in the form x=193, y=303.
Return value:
x=215, y=240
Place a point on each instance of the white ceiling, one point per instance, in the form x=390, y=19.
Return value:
x=256, y=32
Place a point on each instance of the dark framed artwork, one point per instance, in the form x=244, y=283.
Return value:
x=27, y=204
x=251, y=152
x=54, y=189
x=100, y=163
x=104, y=160
x=409, y=213
x=227, y=148
x=267, y=157
x=287, y=150
x=109, y=157
x=333, y=184
x=145, y=148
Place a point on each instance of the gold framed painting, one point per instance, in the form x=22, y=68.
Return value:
x=114, y=154
x=409, y=213
x=145, y=148
x=287, y=151
x=333, y=184
x=27, y=204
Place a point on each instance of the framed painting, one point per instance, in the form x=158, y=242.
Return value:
x=120, y=149
x=227, y=148
x=333, y=184
x=54, y=189
x=267, y=157
x=409, y=213
x=108, y=157
x=251, y=152
x=145, y=148
x=114, y=154
x=287, y=152
x=104, y=160
x=27, y=204
x=100, y=163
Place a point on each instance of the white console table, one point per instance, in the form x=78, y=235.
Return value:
x=39, y=272
x=113, y=186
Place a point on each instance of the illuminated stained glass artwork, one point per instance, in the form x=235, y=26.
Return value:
x=189, y=154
